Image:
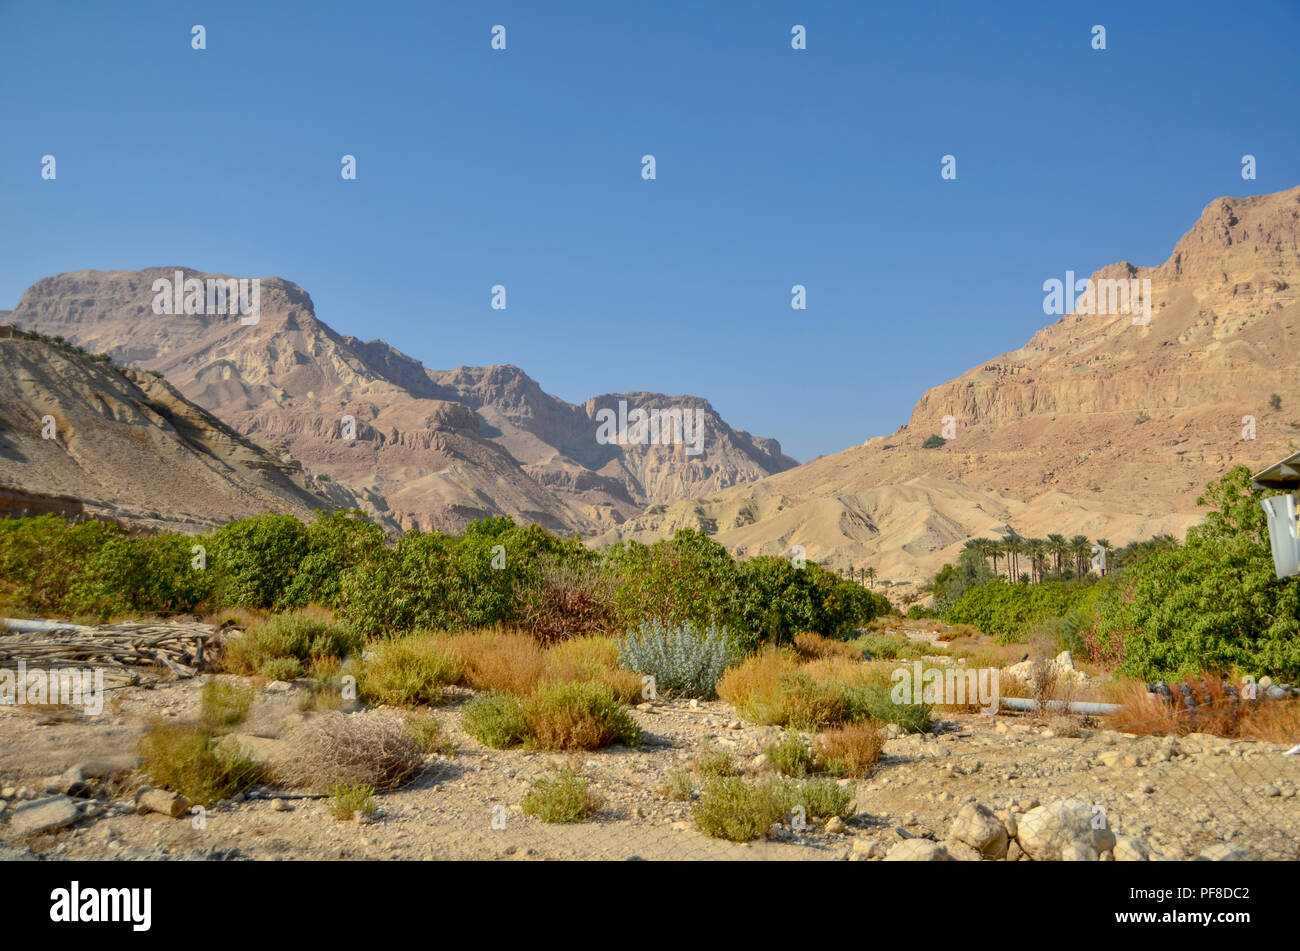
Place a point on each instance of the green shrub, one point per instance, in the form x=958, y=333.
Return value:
x=347, y=799
x=683, y=662
x=223, y=704
x=733, y=809
x=933, y=441
x=281, y=647
x=713, y=764
x=257, y=559
x=577, y=716
x=495, y=720
x=790, y=757
x=821, y=798
x=185, y=760
x=873, y=701
x=564, y=797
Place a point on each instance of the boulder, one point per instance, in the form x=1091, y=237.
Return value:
x=1045, y=832
x=977, y=827
x=1225, y=852
x=1131, y=848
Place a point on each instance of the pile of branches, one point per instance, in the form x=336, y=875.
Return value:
x=183, y=647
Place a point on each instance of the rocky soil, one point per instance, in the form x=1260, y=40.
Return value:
x=979, y=787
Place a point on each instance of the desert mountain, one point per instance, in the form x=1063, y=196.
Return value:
x=428, y=449
x=78, y=436
x=1099, y=425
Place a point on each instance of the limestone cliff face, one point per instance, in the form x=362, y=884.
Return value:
x=420, y=448
x=1097, y=425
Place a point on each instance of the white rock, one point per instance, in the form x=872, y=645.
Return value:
x=917, y=850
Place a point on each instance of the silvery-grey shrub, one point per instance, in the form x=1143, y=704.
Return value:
x=683, y=661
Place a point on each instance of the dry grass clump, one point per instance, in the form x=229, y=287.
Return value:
x=772, y=688
x=733, y=809
x=409, y=671
x=372, y=748
x=592, y=659
x=184, y=759
x=1269, y=721
x=813, y=646
x=498, y=659
x=850, y=750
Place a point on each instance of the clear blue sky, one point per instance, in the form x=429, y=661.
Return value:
x=522, y=167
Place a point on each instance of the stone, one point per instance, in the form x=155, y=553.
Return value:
x=279, y=686
x=835, y=825
x=917, y=850
x=1225, y=852
x=162, y=802
x=1014, y=852
x=961, y=852
x=1103, y=840
x=66, y=782
x=42, y=815
x=1079, y=852
x=1131, y=848
x=977, y=827
x=1044, y=832
x=280, y=805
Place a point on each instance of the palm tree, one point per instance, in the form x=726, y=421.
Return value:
x=1081, y=549
x=870, y=575
x=1037, y=548
x=1013, y=544
x=1058, y=546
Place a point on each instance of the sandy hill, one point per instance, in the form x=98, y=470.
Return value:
x=432, y=449
x=1097, y=425
x=127, y=446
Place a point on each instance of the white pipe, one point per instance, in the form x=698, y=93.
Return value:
x=1073, y=706
x=21, y=626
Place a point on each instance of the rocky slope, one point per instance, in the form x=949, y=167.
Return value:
x=127, y=446
x=429, y=449
x=1097, y=425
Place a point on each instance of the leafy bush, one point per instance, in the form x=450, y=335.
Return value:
x=1213, y=604
x=564, y=797
x=933, y=441
x=790, y=757
x=733, y=809
x=495, y=720
x=683, y=662
x=1009, y=612
x=185, y=760
x=257, y=559
x=347, y=799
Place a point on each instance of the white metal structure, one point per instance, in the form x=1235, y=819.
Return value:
x=1283, y=528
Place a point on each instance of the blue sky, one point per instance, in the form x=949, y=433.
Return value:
x=523, y=168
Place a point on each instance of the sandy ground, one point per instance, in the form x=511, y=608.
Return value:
x=1180, y=795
